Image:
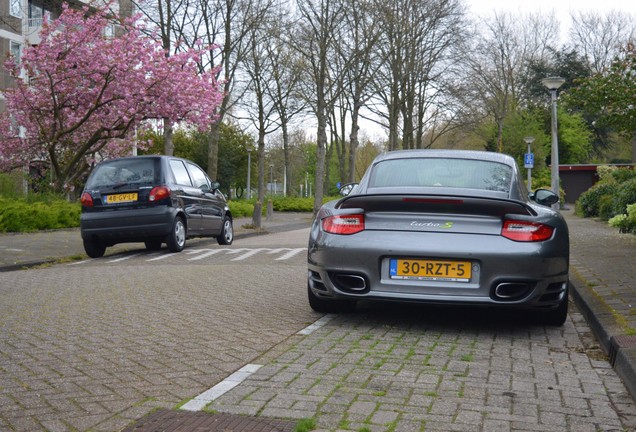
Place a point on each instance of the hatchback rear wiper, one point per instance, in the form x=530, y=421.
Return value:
x=120, y=185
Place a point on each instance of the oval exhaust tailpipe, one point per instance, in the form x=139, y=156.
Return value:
x=511, y=290
x=347, y=282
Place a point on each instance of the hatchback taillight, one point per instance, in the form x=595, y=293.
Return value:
x=86, y=200
x=525, y=231
x=344, y=225
x=158, y=193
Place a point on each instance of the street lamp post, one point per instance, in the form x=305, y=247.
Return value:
x=529, y=163
x=271, y=178
x=552, y=84
x=249, y=172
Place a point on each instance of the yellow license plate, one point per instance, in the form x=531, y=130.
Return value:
x=431, y=270
x=120, y=198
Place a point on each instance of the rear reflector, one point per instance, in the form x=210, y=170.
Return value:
x=525, y=231
x=344, y=225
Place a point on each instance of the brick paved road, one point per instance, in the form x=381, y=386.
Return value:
x=98, y=346
x=417, y=368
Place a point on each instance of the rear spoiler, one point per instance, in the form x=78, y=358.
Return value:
x=449, y=204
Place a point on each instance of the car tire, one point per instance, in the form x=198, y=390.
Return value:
x=177, y=237
x=94, y=248
x=227, y=232
x=153, y=245
x=329, y=306
x=557, y=317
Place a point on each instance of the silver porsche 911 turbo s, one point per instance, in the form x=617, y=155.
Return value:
x=442, y=227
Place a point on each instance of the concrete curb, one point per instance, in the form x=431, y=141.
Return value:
x=620, y=349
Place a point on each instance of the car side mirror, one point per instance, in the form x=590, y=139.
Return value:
x=544, y=197
x=215, y=186
x=347, y=189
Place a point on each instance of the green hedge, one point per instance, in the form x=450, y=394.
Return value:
x=44, y=212
x=610, y=196
x=21, y=215
x=626, y=223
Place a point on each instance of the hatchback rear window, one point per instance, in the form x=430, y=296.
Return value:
x=441, y=172
x=124, y=171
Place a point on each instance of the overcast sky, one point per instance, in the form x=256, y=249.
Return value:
x=562, y=8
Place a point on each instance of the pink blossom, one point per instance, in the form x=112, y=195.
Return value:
x=87, y=93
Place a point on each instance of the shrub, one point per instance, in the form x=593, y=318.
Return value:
x=623, y=174
x=588, y=204
x=625, y=222
x=21, y=215
x=605, y=172
x=11, y=185
x=241, y=208
x=624, y=196
x=605, y=207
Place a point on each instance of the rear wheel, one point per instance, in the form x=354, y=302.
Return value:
x=94, y=248
x=557, y=317
x=329, y=305
x=177, y=237
x=153, y=244
x=227, y=232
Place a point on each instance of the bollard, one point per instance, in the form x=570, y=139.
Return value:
x=270, y=210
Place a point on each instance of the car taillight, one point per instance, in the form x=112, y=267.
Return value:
x=86, y=200
x=158, y=193
x=345, y=225
x=525, y=231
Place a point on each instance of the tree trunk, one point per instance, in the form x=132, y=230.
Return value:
x=168, y=144
x=320, y=158
x=353, y=142
x=213, y=150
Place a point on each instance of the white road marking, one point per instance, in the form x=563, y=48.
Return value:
x=124, y=258
x=206, y=253
x=318, y=324
x=210, y=252
x=160, y=257
x=248, y=254
x=205, y=398
x=290, y=254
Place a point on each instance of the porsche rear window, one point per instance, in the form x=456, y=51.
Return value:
x=441, y=172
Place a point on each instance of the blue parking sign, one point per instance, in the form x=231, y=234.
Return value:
x=528, y=160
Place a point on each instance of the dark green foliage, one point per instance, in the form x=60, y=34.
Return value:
x=610, y=196
x=623, y=175
x=20, y=215
x=625, y=195
x=589, y=202
x=241, y=208
x=605, y=207
x=293, y=204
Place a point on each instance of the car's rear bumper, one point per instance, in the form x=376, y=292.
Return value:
x=530, y=275
x=127, y=225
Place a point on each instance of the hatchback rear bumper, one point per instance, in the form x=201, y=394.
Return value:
x=128, y=225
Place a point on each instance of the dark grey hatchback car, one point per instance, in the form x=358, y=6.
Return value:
x=151, y=199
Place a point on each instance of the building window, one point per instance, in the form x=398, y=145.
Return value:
x=15, y=8
x=16, y=51
x=109, y=31
x=37, y=14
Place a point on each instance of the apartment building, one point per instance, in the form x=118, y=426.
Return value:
x=20, y=25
